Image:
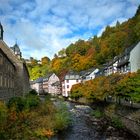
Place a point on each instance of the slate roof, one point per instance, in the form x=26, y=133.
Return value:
x=39, y=80
x=87, y=72
x=72, y=75
x=15, y=48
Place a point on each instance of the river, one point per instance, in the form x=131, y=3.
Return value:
x=85, y=127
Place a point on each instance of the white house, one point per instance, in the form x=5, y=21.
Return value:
x=135, y=58
x=89, y=74
x=111, y=66
x=70, y=79
x=45, y=84
x=37, y=85
x=54, y=84
x=128, y=61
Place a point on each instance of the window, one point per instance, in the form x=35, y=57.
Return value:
x=128, y=67
x=67, y=81
x=5, y=81
x=67, y=86
x=1, y=59
x=125, y=68
x=1, y=79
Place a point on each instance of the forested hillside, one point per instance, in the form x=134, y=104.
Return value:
x=38, y=70
x=83, y=55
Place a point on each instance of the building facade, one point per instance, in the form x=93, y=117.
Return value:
x=37, y=85
x=54, y=84
x=111, y=67
x=123, y=61
x=70, y=79
x=128, y=61
x=7, y=77
x=88, y=74
x=13, y=71
x=135, y=58
x=45, y=84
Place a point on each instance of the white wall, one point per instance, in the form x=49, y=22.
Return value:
x=66, y=90
x=135, y=58
x=36, y=87
x=52, y=89
x=92, y=75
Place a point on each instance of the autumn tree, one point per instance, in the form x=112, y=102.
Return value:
x=45, y=60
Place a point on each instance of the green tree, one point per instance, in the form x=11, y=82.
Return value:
x=45, y=60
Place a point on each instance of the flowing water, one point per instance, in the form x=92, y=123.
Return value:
x=82, y=127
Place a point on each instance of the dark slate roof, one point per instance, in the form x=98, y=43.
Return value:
x=87, y=72
x=39, y=80
x=46, y=78
x=15, y=48
x=72, y=75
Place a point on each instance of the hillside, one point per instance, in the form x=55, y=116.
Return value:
x=83, y=55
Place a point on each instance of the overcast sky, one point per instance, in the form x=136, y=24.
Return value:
x=43, y=27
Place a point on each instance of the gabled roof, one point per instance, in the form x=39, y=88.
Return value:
x=46, y=78
x=87, y=72
x=9, y=52
x=39, y=80
x=72, y=75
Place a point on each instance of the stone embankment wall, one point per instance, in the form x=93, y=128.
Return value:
x=130, y=117
x=130, y=124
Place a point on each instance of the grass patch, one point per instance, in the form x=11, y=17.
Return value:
x=97, y=113
x=116, y=122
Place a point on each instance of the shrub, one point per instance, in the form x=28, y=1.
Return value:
x=97, y=113
x=32, y=101
x=17, y=102
x=62, y=117
x=116, y=122
x=3, y=118
x=33, y=92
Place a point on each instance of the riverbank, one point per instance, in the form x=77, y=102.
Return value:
x=86, y=126
x=125, y=118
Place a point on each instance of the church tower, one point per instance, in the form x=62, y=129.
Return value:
x=16, y=51
x=1, y=32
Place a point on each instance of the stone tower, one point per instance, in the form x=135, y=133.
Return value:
x=1, y=32
x=16, y=51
